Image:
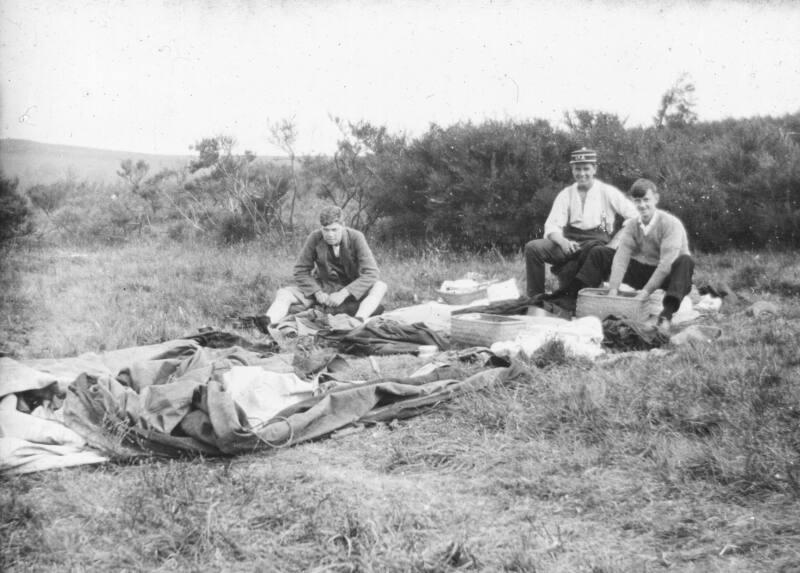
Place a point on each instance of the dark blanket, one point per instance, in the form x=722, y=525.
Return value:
x=625, y=334
x=383, y=336
x=222, y=339
x=503, y=307
x=519, y=306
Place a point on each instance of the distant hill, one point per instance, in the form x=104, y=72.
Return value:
x=34, y=162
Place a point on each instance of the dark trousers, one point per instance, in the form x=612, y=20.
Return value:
x=677, y=285
x=541, y=251
x=537, y=253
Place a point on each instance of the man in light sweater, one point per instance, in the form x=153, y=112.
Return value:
x=582, y=216
x=653, y=253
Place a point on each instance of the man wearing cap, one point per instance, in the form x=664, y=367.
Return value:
x=582, y=216
x=335, y=270
x=653, y=253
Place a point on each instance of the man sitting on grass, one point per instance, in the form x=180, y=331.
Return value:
x=335, y=270
x=653, y=253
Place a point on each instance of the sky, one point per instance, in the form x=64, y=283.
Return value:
x=157, y=76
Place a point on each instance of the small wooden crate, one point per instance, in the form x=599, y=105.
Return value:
x=596, y=302
x=479, y=329
x=456, y=298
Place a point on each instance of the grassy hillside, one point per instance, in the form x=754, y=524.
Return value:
x=35, y=162
x=681, y=461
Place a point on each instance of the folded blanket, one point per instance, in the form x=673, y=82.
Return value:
x=383, y=336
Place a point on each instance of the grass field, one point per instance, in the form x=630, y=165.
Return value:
x=688, y=461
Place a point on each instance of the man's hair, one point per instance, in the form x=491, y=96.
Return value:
x=640, y=188
x=329, y=215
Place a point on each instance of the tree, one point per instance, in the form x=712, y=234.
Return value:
x=616, y=144
x=677, y=105
x=359, y=177
x=283, y=134
x=134, y=175
x=231, y=191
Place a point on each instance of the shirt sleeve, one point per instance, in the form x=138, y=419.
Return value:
x=621, y=204
x=559, y=214
x=367, y=267
x=304, y=266
x=669, y=250
x=622, y=257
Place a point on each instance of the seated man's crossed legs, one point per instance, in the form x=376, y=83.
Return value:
x=289, y=295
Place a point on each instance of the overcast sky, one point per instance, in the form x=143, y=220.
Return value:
x=156, y=76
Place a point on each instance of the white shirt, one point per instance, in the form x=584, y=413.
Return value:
x=649, y=227
x=603, y=202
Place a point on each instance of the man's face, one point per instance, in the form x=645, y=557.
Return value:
x=646, y=205
x=332, y=233
x=583, y=173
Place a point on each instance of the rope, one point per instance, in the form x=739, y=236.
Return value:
x=254, y=430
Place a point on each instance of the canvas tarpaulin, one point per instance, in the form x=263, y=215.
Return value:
x=183, y=398
x=105, y=412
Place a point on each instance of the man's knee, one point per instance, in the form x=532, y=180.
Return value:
x=600, y=254
x=379, y=288
x=537, y=249
x=371, y=302
x=285, y=294
x=285, y=297
x=290, y=295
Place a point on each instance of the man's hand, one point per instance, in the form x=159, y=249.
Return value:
x=642, y=296
x=338, y=297
x=564, y=244
x=569, y=247
x=322, y=298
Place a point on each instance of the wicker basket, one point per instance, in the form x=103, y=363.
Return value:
x=596, y=302
x=478, y=329
x=462, y=297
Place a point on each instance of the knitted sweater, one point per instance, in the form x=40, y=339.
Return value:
x=664, y=242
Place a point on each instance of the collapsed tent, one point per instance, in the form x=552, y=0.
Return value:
x=186, y=398
x=217, y=393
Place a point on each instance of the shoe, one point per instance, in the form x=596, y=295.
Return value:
x=558, y=311
x=553, y=296
x=262, y=323
x=566, y=302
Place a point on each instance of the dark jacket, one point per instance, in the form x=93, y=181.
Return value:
x=312, y=270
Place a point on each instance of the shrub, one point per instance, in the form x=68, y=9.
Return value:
x=234, y=228
x=15, y=212
x=733, y=183
x=84, y=211
x=48, y=198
